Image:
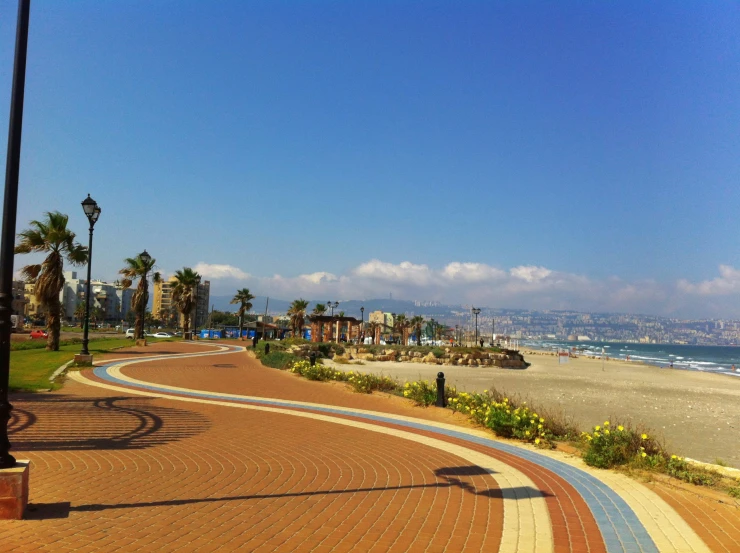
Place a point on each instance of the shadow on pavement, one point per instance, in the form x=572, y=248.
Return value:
x=54, y=422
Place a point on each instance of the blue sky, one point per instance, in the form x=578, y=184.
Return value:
x=513, y=154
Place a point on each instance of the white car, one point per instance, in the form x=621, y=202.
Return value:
x=130, y=333
x=162, y=335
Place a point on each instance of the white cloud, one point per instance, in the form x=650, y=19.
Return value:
x=524, y=286
x=727, y=283
x=530, y=273
x=216, y=271
x=471, y=272
x=404, y=272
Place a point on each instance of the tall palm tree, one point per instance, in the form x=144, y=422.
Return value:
x=244, y=299
x=319, y=309
x=184, y=290
x=79, y=313
x=135, y=268
x=297, y=313
x=52, y=237
x=401, y=325
x=416, y=323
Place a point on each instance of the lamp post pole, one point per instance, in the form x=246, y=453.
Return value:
x=476, y=311
x=193, y=330
x=146, y=258
x=362, y=325
x=10, y=205
x=92, y=211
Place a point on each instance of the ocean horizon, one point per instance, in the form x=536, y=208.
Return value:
x=715, y=359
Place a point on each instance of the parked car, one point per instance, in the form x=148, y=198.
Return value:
x=38, y=334
x=162, y=335
x=130, y=333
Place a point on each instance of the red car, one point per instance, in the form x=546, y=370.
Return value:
x=38, y=334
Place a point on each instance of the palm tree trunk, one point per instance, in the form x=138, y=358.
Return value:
x=53, y=324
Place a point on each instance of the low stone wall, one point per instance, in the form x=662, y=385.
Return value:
x=509, y=359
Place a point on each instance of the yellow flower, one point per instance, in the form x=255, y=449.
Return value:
x=596, y=434
x=537, y=441
x=644, y=436
x=673, y=456
x=620, y=427
x=485, y=391
x=589, y=438
x=406, y=385
x=539, y=426
x=643, y=454
x=531, y=421
x=542, y=420
x=606, y=423
x=526, y=433
x=606, y=431
x=597, y=428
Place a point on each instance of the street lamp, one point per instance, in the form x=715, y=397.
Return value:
x=92, y=212
x=10, y=208
x=332, y=305
x=145, y=258
x=362, y=324
x=193, y=331
x=476, y=311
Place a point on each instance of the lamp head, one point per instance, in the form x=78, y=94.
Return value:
x=91, y=209
x=145, y=257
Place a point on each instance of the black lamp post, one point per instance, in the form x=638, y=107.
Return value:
x=145, y=258
x=193, y=331
x=92, y=212
x=476, y=311
x=10, y=206
x=332, y=305
x=362, y=324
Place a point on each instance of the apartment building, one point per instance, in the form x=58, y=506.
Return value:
x=164, y=309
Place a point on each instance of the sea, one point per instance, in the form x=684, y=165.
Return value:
x=714, y=359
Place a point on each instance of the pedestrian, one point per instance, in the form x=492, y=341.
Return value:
x=733, y=368
x=671, y=364
x=481, y=342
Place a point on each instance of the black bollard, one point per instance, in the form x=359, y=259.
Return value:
x=441, y=390
x=312, y=358
x=267, y=349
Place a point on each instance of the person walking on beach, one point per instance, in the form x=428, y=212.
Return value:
x=733, y=368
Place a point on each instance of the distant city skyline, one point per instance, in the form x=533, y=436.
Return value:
x=546, y=156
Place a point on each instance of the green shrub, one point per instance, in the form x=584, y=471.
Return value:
x=734, y=492
x=438, y=352
x=278, y=359
x=422, y=392
x=679, y=468
x=287, y=342
x=608, y=447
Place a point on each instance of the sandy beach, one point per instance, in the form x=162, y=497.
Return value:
x=697, y=414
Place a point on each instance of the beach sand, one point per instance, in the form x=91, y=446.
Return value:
x=696, y=414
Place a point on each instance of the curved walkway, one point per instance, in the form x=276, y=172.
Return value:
x=436, y=486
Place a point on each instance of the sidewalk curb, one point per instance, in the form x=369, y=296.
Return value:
x=60, y=370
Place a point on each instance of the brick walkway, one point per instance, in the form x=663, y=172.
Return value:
x=212, y=451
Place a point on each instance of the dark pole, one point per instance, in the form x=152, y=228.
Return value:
x=441, y=390
x=195, y=314
x=476, y=310
x=10, y=205
x=362, y=324
x=92, y=212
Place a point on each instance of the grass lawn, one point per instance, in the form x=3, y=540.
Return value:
x=30, y=369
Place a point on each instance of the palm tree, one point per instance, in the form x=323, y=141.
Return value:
x=52, y=237
x=372, y=327
x=401, y=325
x=319, y=309
x=184, y=290
x=297, y=313
x=79, y=313
x=416, y=323
x=244, y=299
x=135, y=268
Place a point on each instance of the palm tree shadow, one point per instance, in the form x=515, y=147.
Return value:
x=56, y=422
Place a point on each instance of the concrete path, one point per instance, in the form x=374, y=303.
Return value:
x=180, y=447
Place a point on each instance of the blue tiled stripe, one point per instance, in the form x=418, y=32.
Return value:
x=621, y=529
